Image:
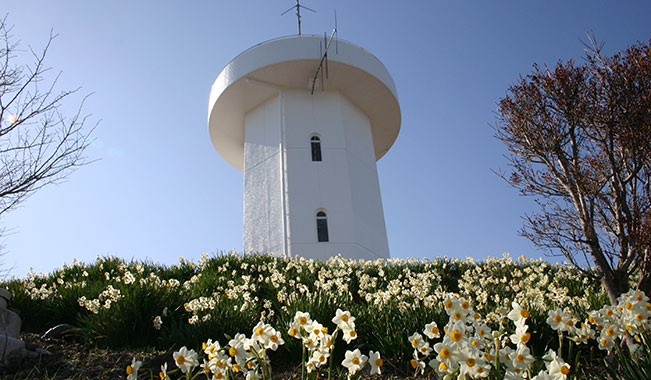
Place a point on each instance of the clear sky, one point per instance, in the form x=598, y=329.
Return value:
x=159, y=190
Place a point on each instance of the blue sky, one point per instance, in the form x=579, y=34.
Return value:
x=159, y=190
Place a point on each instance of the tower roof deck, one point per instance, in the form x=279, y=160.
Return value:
x=290, y=63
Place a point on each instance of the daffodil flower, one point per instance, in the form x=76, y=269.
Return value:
x=343, y=320
x=354, y=361
x=185, y=359
x=132, y=369
x=163, y=371
x=376, y=362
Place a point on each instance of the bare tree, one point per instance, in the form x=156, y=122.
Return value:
x=579, y=138
x=39, y=144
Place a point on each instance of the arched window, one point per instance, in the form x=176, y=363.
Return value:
x=316, y=148
x=322, y=226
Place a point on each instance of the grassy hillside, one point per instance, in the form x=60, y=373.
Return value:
x=140, y=305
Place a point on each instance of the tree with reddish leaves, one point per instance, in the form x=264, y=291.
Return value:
x=579, y=141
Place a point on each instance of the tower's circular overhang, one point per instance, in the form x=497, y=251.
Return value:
x=291, y=63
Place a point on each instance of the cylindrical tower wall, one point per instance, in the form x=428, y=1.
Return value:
x=343, y=184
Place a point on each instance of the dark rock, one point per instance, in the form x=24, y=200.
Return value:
x=62, y=331
x=42, y=351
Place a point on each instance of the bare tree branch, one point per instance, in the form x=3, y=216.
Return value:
x=39, y=143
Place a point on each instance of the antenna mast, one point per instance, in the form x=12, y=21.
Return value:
x=298, y=7
x=324, y=56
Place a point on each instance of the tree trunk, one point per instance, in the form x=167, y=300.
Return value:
x=644, y=284
x=614, y=285
x=614, y=281
x=645, y=273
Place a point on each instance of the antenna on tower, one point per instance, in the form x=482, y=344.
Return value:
x=324, y=56
x=298, y=7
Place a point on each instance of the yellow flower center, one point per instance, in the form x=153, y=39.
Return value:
x=481, y=332
x=355, y=360
x=218, y=375
x=322, y=358
x=629, y=306
x=470, y=362
x=379, y=362
x=480, y=370
x=180, y=359
x=353, y=333
x=448, y=304
x=292, y=331
x=474, y=343
x=565, y=370
x=558, y=318
x=443, y=366
x=161, y=375
x=445, y=353
x=525, y=338
x=609, y=312
x=232, y=351
x=435, y=330
x=456, y=335
x=259, y=331
x=570, y=323
x=488, y=357
x=639, y=297
x=316, y=331
x=129, y=370
x=610, y=331
x=648, y=306
x=273, y=338
x=457, y=316
x=592, y=320
x=604, y=342
x=519, y=358
x=465, y=304
x=524, y=313
x=413, y=363
x=324, y=330
x=639, y=317
x=236, y=367
x=344, y=317
x=302, y=320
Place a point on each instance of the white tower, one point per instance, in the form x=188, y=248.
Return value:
x=310, y=179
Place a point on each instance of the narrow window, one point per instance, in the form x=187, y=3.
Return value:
x=316, y=149
x=322, y=226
